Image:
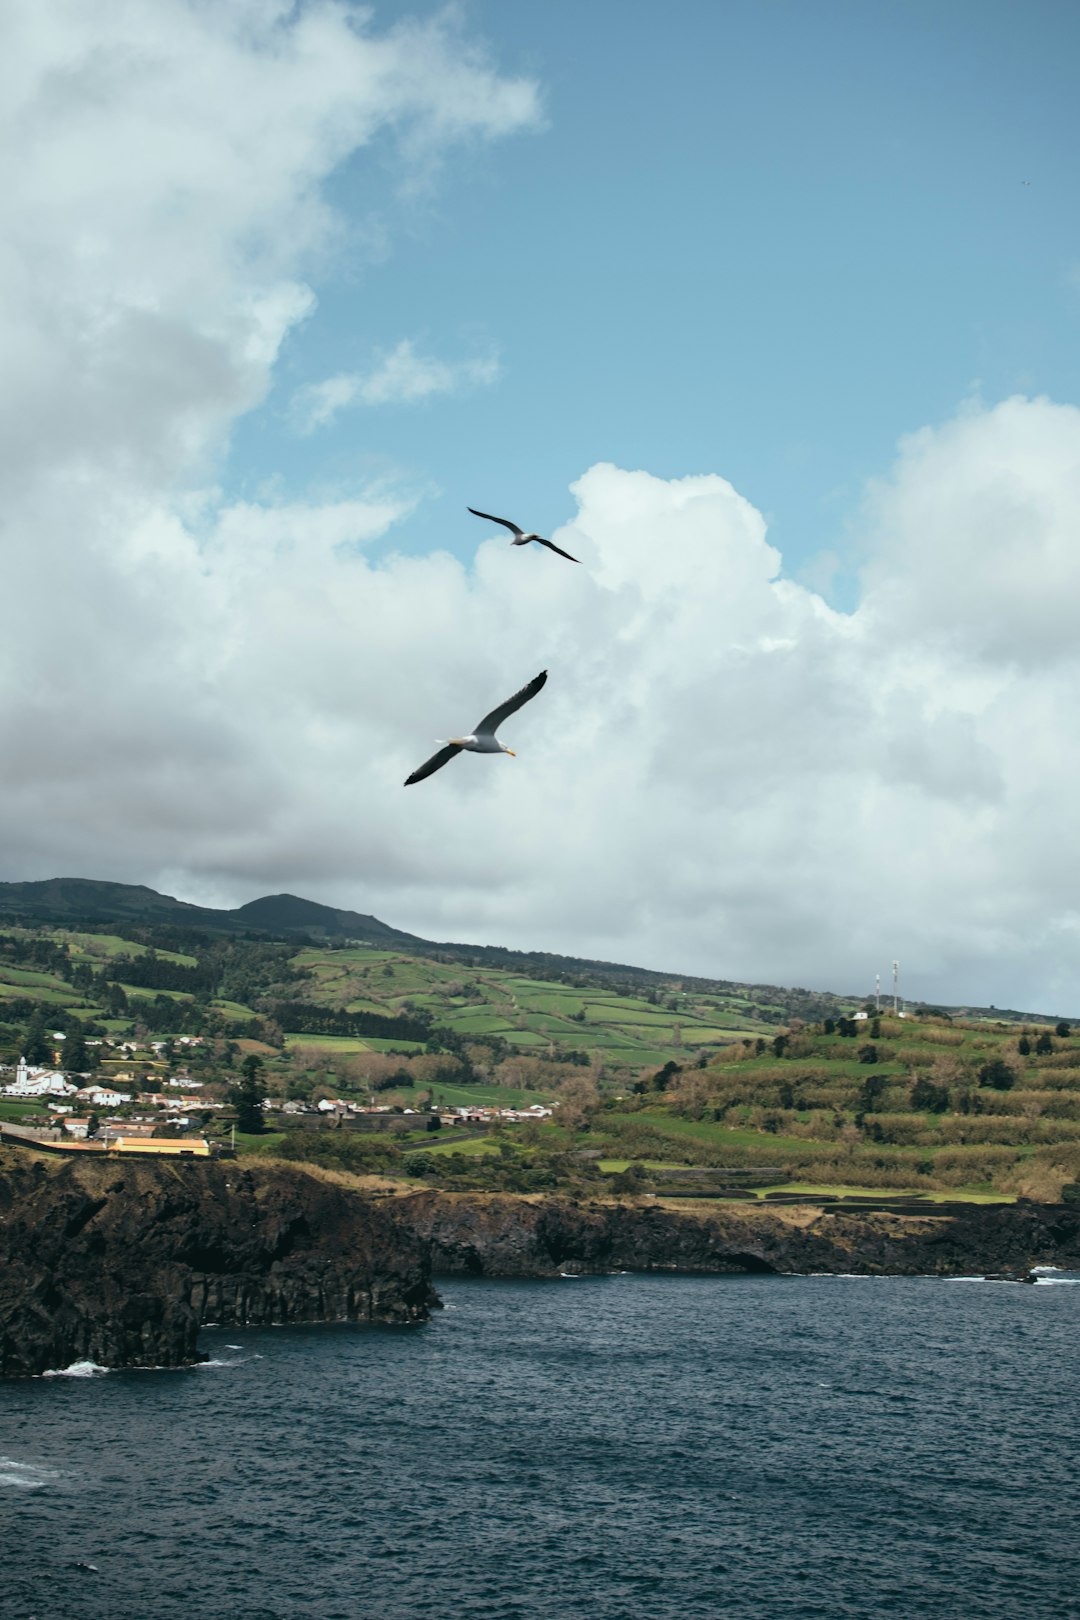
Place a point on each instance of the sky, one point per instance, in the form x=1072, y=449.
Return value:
x=768, y=311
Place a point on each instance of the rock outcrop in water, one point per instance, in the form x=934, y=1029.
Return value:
x=122, y=1264
x=505, y=1236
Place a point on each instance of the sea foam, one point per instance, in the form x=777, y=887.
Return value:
x=24, y=1476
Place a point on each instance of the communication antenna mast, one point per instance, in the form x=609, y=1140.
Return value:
x=877, y=992
x=895, y=987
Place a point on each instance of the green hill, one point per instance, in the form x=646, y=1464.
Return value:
x=661, y=1077
x=75, y=901
x=933, y=1104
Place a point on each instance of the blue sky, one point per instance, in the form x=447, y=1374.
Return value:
x=762, y=240
x=767, y=312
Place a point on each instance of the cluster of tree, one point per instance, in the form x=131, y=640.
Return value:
x=307, y=1018
x=153, y=972
x=660, y=1081
x=37, y=951
x=342, y=1150
x=509, y=1170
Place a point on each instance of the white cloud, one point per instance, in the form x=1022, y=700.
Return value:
x=400, y=377
x=723, y=773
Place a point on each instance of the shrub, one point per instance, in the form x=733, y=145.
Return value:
x=344, y=1150
x=998, y=1074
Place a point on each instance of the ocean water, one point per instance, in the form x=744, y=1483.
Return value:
x=751, y=1448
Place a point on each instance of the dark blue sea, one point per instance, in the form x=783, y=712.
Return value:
x=737, y=1448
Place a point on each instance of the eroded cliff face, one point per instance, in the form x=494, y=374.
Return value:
x=121, y=1264
x=504, y=1236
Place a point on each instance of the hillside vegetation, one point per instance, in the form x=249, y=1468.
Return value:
x=174, y=982
x=650, y=1081
x=931, y=1104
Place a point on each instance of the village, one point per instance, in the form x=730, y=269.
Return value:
x=127, y=1113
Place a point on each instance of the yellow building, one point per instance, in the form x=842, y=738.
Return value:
x=176, y=1147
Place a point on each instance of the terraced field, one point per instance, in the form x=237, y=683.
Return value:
x=536, y=1016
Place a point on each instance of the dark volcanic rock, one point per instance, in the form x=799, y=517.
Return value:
x=121, y=1264
x=500, y=1236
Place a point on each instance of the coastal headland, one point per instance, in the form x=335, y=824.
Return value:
x=121, y=1266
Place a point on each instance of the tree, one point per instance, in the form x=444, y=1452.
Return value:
x=1044, y=1044
x=1023, y=1046
x=1063, y=1030
x=74, y=1058
x=998, y=1074
x=873, y=1089
x=38, y=1050
x=434, y=1123
x=633, y=1180
x=928, y=1098
x=868, y=1053
x=663, y=1077
x=577, y=1099
x=247, y=1097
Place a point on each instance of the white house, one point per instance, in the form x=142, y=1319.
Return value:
x=103, y=1097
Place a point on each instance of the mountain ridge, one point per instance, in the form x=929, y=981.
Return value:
x=97, y=900
x=68, y=902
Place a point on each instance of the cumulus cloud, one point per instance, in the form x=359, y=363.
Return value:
x=400, y=377
x=724, y=774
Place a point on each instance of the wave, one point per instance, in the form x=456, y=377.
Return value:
x=234, y=1361
x=78, y=1369
x=24, y=1476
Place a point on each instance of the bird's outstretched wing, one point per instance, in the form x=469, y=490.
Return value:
x=435, y=763
x=506, y=523
x=491, y=722
x=553, y=547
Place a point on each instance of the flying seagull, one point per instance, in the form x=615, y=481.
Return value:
x=483, y=740
x=522, y=539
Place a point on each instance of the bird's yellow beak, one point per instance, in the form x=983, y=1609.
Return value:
x=510, y=751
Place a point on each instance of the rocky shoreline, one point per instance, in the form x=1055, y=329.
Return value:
x=121, y=1265
x=499, y=1235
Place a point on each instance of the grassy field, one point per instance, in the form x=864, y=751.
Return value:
x=482, y=1144
x=812, y=1189
x=486, y=1096
x=58, y=997
x=16, y=1111
x=530, y=1015
x=98, y=947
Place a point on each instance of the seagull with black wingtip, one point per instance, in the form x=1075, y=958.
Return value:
x=483, y=740
x=522, y=539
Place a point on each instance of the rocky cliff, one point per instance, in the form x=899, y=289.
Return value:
x=121, y=1264
x=505, y=1236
